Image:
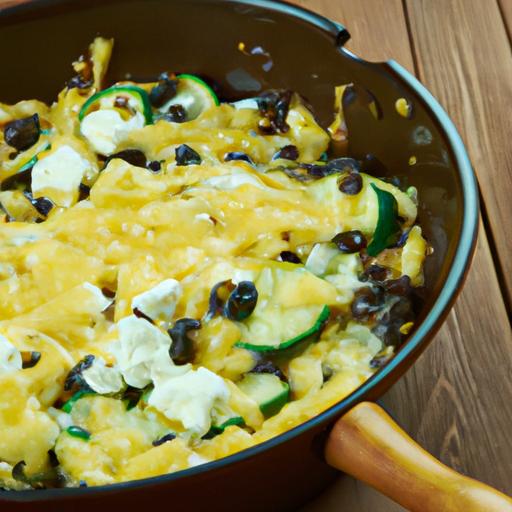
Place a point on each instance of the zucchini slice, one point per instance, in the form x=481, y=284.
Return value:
x=292, y=307
x=388, y=227
x=267, y=390
x=194, y=95
x=137, y=98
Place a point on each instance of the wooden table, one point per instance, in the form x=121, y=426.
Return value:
x=456, y=401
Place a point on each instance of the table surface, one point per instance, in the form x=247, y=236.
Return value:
x=456, y=399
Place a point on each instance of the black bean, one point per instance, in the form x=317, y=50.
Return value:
x=18, y=471
x=289, y=257
x=74, y=380
x=380, y=359
x=351, y=184
x=133, y=156
x=389, y=332
x=289, y=152
x=344, y=164
x=155, y=166
x=30, y=359
x=366, y=302
x=182, y=347
x=241, y=302
x=164, y=91
x=274, y=106
x=164, y=439
x=237, y=155
x=43, y=205
x=22, y=133
x=110, y=294
x=83, y=192
x=52, y=459
x=269, y=367
x=215, y=302
x=79, y=82
x=185, y=155
x=82, y=483
x=350, y=241
x=175, y=114
x=400, y=286
x=376, y=272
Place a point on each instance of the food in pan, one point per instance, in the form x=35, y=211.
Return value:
x=182, y=278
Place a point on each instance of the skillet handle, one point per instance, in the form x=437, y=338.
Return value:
x=367, y=444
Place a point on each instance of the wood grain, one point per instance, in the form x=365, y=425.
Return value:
x=506, y=12
x=456, y=399
x=463, y=55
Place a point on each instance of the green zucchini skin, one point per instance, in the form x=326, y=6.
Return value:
x=276, y=393
x=132, y=90
x=387, y=223
x=306, y=337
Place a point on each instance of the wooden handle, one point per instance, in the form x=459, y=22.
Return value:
x=367, y=444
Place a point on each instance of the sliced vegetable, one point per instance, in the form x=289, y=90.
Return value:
x=292, y=307
x=22, y=134
x=388, y=227
x=194, y=95
x=133, y=96
x=267, y=390
x=68, y=406
x=79, y=432
x=241, y=302
x=281, y=329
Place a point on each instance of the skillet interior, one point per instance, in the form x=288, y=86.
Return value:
x=202, y=36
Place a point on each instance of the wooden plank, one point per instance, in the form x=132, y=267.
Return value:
x=506, y=11
x=464, y=56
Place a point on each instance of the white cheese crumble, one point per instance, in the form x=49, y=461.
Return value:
x=105, y=129
x=159, y=303
x=58, y=175
x=102, y=378
x=101, y=301
x=233, y=181
x=10, y=356
x=142, y=352
x=190, y=399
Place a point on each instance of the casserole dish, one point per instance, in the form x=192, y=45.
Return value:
x=441, y=172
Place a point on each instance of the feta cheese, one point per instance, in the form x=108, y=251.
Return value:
x=103, y=379
x=58, y=175
x=102, y=302
x=10, y=356
x=233, y=181
x=105, y=129
x=190, y=399
x=159, y=303
x=142, y=352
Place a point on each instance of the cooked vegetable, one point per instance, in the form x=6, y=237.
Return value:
x=125, y=97
x=267, y=390
x=68, y=406
x=388, y=227
x=78, y=432
x=350, y=241
x=237, y=155
x=289, y=152
x=351, y=184
x=133, y=156
x=164, y=91
x=241, y=302
x=22, y=134
x=182, y=348
x=30, y=359
x=75, y=380
x=185, y=155
x=193, y=94
x=164, y=439
x=290, y=257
